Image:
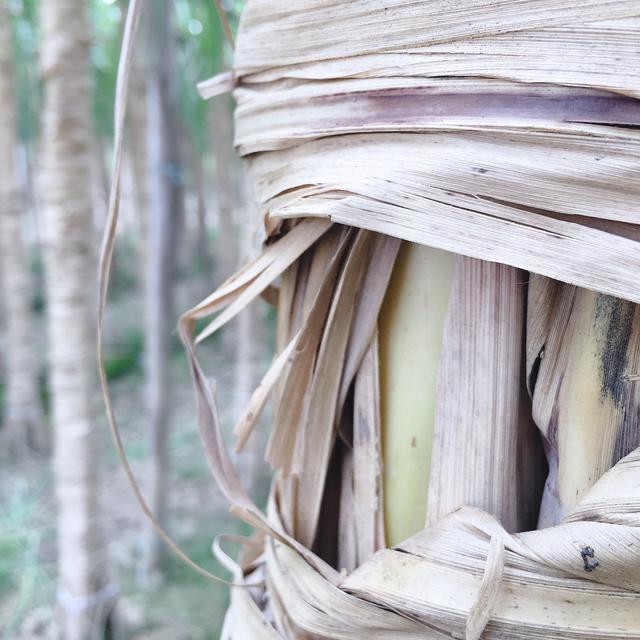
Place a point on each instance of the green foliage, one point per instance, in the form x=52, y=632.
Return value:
x=123, y=278
x=106, y=17
x=201, y=54
x=125, y=358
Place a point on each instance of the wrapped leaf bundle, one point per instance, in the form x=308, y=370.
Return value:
x=451, y=203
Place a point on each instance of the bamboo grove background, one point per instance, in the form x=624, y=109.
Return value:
x=183, y=204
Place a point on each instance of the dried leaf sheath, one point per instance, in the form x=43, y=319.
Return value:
x=485, y=445
x=528, y=548
x=367, y=457
x=321, y=415
x=289, y=417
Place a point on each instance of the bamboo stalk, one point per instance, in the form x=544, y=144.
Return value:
x=410, y=329
x=586, y=399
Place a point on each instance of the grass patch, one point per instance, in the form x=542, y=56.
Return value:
x=25, y=581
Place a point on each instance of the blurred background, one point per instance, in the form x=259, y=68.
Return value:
x=185, y=227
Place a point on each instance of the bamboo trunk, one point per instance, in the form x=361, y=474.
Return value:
x=165, y=209
x=584, y=360
x=24, y=425
x=411, y=325
x=85, y=596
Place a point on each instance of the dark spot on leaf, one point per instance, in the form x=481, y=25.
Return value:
x=588, y=558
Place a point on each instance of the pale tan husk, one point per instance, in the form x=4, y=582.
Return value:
x=341, y=121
